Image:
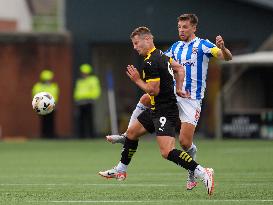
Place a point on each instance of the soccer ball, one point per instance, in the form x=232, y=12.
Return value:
x=43, y=103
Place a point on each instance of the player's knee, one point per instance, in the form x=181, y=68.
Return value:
x=145, y=100
x=130, y=134
x=165, y=153
x=184, y=143
x=133, y=134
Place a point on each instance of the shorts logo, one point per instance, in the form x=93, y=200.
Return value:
x=197, y=114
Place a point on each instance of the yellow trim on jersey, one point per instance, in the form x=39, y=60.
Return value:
x=214, y=51
x=170, y=60
x=153, y=80
x=149, y=53
x=152, y=102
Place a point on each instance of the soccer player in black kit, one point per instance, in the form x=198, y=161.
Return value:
x=157, y=81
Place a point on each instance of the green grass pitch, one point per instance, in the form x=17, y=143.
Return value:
x=65, y=172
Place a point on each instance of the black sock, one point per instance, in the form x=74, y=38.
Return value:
x=129, y=149
x=183, y=159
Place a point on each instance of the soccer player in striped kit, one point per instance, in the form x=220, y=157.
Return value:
x=194, y=54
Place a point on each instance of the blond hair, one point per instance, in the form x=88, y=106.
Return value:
x=140, y=31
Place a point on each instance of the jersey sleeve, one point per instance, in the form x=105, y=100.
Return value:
x=209, y=48
x=151, y=69
x=170, y=51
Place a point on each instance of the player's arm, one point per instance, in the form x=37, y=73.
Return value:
x=222, y=53
x=179, y=74
x=151, y=87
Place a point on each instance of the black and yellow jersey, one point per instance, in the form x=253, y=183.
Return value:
x=156, y=67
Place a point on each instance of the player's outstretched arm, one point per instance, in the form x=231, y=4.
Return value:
x=223, y=53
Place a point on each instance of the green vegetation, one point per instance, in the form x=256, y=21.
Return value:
x=65, y=172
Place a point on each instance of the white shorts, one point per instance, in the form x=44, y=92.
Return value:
x=189, y=110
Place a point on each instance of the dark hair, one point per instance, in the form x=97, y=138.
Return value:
x=141, y=31
x=191, y=17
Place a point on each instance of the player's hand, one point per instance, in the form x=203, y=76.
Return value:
x=182, y=94
x=220, y=42
x=132, y=73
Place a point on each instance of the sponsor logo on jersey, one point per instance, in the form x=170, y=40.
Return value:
x=194, y=50
x=188, y=63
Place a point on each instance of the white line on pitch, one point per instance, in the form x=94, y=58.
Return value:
x=156, y=201
x=137, y=185
x=125, y=185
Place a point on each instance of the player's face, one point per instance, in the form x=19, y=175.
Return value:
x=186, y=30
x=140, y=44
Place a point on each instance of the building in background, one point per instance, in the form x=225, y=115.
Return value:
x=15, y=15
x=32, y=15
x=24, y=53
x=47, y=15
x=245, y=102
x=246, y=98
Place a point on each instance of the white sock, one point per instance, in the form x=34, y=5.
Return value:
x=138, y=110
x=121, y=167
x=192, y=151
x=199, y=172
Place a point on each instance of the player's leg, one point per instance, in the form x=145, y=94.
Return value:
x=165, y=125
x=189, y=112
x=186, y=138
x=186, y=142
x=166, y=144
x=137, y=129
x=142, y=105
x=129, y=148
x=183, y=159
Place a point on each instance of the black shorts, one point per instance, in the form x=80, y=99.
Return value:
x=163, y=122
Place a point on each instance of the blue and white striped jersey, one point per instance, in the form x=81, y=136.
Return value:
x=194, y=56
